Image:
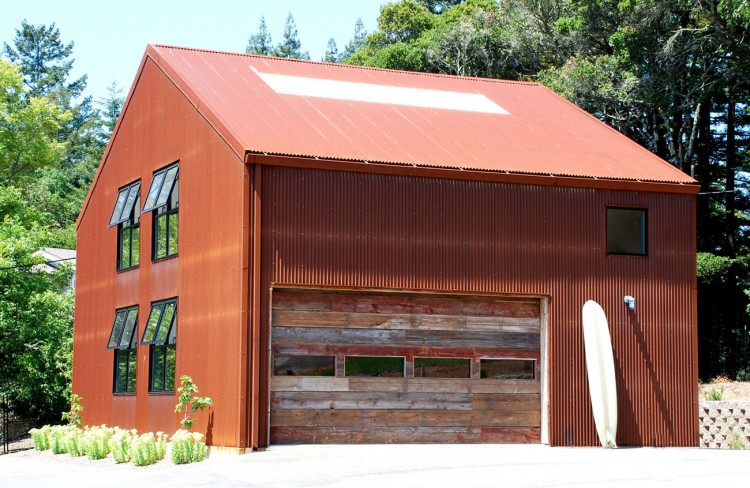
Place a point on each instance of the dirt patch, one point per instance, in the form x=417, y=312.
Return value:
x=730, y=390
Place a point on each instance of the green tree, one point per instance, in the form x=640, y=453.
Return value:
x=36, y=319
x=290, y=45
x=332, y=53
x=260, y=42
x=357, y=42
x=28, y=126
x=44, y=62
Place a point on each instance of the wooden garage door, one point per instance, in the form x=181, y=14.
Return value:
x=387, y=367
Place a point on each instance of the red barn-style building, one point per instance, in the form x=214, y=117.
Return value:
x=346, y=254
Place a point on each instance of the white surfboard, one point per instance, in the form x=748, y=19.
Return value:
x=600, y=366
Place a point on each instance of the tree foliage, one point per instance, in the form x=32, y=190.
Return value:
x=51, y=141
x=290, y=45
x=260, y=42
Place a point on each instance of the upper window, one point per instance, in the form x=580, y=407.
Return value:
x=124, y=340
x=161, y=334
x=626, y=231
x=127, y=218
x=163, y=199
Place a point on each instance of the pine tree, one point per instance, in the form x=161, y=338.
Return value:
x=260, y=43
x=332, y=52
x=290, y=45
x=358, y=41
x=44, y=62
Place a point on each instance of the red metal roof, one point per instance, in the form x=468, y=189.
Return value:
x=541, y=133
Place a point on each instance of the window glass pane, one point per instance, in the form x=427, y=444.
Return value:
x=160, y=236
x=626, y=231
x=442, y=368
x=153, y=321
x=304, y=365
x=166, y=322
x=170, y=367
x=167, y=186
x=129, y=329
x=114, y=336
x=507, y=369
x=127, y=209
x=174, y=201
x=137, y=213
x=377, y=366
x=122, y=196
x=172, y=339
x=157, y=368
x=173, y=233
x=153, y=191
x=125, y=243
x=132, y=364
x=121, y=371
x=135, y=242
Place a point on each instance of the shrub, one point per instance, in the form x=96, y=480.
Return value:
x=57, y=438
x=96, y=441
x=161, y=445
x=187, y=447
x=73, y=439
x=144, y=450
x=714, y=395
x=40, y=438
x=735, y=441
x=120, y=444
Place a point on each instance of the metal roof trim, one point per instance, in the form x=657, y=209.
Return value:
x=548, y=179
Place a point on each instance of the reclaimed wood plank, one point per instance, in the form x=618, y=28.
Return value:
x=402, y=418
x=309, y=383
x=369, y=400
x=410, y=338
x=390, y=350
x=506, y=402
x=357, y=435
x=297, y=318
x=374, y=302
x=458, y=385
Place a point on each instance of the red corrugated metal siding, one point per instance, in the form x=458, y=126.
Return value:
x=543, y=134
x=326, y=228
x=159, y=127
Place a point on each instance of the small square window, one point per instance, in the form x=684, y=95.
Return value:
x=374, y=366
x=626, y=231
x=442, y=368
x=507, y=369
x=304, y=365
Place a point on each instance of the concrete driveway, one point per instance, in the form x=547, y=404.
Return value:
x=399, y=466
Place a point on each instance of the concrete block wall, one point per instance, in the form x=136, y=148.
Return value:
x=721, y=421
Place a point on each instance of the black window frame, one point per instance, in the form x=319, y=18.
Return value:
x=162, y=346
x=643, y=252
x=163, y=201
x=127, y=217
x=123, y=339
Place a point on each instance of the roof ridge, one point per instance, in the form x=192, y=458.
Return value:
x=355, y=66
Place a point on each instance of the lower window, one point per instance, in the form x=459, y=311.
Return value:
x=374, y=366
x=125, y=367
x=162, y=368
x=161, y=334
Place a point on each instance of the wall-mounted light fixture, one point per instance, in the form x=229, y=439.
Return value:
x=630, y=302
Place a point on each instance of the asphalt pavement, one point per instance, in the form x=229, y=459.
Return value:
x=386, y=466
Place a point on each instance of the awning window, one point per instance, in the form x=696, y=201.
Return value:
x=126, y=199
x=161, y=187
x=123, y=335
x=161, y=327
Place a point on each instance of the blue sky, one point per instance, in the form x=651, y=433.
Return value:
x=110, y=37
